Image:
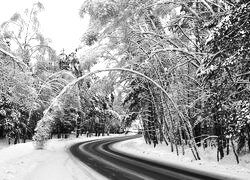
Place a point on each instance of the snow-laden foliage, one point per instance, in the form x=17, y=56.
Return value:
x=17, y=96
x=22, y=32
x=225, y=75
x=43, y=131
x=101, y=10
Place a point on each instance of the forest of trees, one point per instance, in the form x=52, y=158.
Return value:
x=196, y=50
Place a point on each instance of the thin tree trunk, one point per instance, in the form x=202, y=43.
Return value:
x=235, y=153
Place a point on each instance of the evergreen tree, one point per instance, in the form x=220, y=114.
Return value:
x=225, y=75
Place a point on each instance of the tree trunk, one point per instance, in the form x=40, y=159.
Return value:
x=235, y=153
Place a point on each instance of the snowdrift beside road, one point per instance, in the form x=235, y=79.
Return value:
x=24, y=162
x=227, y=166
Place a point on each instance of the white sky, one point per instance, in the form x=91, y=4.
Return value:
x=60, y=21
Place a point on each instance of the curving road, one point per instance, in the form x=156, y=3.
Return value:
x=99, y=155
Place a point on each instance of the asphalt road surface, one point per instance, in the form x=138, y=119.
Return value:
x=99, y=155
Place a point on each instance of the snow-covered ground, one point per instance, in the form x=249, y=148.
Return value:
x=23, y=162
x=3, y=143
x=226, y=167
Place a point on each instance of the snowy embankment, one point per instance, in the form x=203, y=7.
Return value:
x=23, y=162
x=226, y=167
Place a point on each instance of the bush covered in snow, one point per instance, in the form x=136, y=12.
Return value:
x=43, y=131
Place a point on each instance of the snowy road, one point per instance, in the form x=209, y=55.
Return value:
x=100, y=156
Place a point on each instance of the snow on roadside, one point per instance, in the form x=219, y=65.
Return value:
x=23, y=162
x=226, y=167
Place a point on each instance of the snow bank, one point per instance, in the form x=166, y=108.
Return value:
x=23, y=162
x=226, y=167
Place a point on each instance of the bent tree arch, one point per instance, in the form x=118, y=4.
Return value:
x=46, y=83
x=181, y=116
